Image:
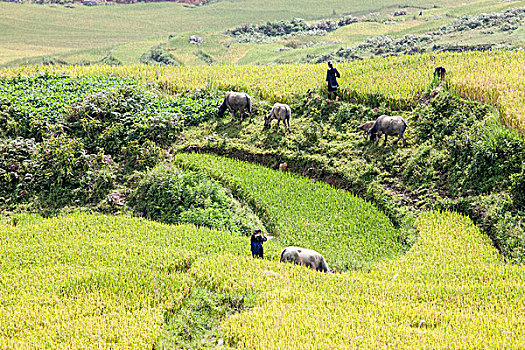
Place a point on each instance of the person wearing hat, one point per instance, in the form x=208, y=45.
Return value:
x=331, y=78
x=257, y=239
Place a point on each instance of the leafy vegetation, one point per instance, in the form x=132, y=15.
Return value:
x=30, y=106
x=348, y=231
x=172, y=196
x=70, y=141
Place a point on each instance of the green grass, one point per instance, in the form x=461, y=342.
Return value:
x=39, y=30
x=348, y=231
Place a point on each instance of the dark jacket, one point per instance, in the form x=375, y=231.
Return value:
x=256, y=242
x=331, y=77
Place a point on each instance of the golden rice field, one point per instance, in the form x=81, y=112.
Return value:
x=451, y=291
x=93, y=281
x=491, y=77
x=87, y=281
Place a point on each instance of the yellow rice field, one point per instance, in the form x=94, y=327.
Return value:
x=494, y=77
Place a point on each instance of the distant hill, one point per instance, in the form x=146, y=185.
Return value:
x=77, y=34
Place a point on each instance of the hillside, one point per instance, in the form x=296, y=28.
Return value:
x=124, y=34
x=127, y=201
x=128, y=283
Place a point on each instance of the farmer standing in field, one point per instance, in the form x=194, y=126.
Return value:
x=257, y=239
x=331, y=78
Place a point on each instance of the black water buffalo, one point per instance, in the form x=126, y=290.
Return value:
x=365, y=127
x=280, y=111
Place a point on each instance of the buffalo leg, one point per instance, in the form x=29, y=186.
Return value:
x=386, y=137
x=399, y=138
x=242, y=116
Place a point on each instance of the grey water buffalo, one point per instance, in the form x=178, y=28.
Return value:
x=307, y=257
x=389, y=126
x=365, y=127
x=236, y=101
x=280, y=111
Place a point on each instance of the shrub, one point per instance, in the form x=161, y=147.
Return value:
x=170, y=195
x=448, y=115
x=158, y=55
x=517, y=188
x=65, y=173
x=482, y=159
x=16, y=170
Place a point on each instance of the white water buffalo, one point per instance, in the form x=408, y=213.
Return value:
x=236, y=101
x=365, y=127
x=307, y=257
x=389, y=126
x=280, y=111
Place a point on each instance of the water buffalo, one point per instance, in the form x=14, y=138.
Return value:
x=365, y=127
x=236, y=101
x=280, y=111
x=388, y=126
x=307, y=257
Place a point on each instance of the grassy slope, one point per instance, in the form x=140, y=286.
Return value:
x=348, y=231
x=91, y=280
x=63, y=29
x=449, y=291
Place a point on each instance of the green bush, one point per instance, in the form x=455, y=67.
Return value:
x=64, y=173
x=170, y=195
x=482, y=160
x=517, y=188
x=158, y=55
x=111, y=119
x=16, y=169
x=31, y=107
x=447, y=115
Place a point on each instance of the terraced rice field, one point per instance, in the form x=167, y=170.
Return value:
x=493, y=77
x=90, y=281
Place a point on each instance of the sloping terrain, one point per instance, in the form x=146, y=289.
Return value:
x=111, y=140
x=45, y=34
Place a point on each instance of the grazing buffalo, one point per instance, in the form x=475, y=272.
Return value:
x=236, y=101
x=307, y=257
x=365, y=127
x=280, y=111
x=389, y=126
